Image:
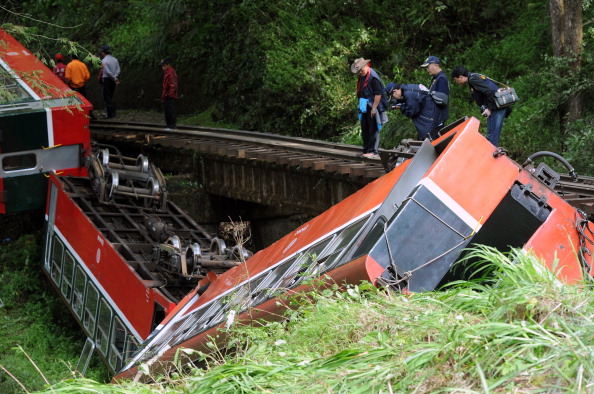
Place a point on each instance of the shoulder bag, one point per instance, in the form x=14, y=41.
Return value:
x=504, y=96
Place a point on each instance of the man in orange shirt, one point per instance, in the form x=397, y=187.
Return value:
x=77, y=75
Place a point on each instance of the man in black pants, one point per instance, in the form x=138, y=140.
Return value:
x=169, y=93
x=108, y=77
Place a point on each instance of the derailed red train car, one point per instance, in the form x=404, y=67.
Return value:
x=44, y=127
x=405, y=230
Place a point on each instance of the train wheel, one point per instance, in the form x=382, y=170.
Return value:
x=113, y=181
x=193, y=258
x=218, y=246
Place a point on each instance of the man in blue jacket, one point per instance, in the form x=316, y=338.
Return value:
x=372, y=105
x=483, y=91
x=439, y=83
x=415, y=103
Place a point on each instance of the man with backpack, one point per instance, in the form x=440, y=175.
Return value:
x=415, y=102
x=441, y=84
x=483, y=91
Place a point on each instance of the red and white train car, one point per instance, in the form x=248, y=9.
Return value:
x=405, y=230
x=44, y=127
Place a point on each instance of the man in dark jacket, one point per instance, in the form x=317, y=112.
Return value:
x=439, y=83
x=372, y=105
x=415, y=103
x=169, y=93
x=483, y=91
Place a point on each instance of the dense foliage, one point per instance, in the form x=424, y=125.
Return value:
x=283, y=66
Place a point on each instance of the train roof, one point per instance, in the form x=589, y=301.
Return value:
x=26, y=78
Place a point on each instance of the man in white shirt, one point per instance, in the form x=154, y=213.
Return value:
x=108, y=77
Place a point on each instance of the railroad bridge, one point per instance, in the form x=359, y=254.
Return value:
x=290, y=175
x=279, y=175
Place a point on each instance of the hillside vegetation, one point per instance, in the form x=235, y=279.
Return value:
x=283, y=66
x=516, y=330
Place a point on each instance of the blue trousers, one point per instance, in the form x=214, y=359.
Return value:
x=494, y=126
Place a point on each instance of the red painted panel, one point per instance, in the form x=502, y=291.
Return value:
x=469, y=174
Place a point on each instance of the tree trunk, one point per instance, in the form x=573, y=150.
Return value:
x=567, y=37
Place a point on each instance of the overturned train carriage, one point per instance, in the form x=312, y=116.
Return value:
x=404, y=230
x=121, y=255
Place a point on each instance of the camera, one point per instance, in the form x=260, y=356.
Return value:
x=483, y=109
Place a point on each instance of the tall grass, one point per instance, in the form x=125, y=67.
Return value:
x=517, y=329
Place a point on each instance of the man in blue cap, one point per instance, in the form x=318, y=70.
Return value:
x=414, y=102
x=439, y=83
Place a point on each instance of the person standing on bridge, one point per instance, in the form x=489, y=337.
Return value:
x=482, y=90
x=108, y=77
x=169, y=93
x=414, y=102
x=439, y=83
x=372, y=105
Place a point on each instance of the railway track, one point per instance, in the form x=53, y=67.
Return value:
x=342, y=159
x=338, y=158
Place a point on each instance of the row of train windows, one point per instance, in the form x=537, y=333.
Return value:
x=111, y=337
x=317, y=259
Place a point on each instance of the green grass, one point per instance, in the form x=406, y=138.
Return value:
x=516, y=328
x=207, y=118
x=39, y=341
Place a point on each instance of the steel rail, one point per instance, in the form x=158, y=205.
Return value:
x=268, y=140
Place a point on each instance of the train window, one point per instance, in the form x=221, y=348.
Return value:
x=12, y=92
x=213, y=316
x=90, y=314
x=305, y=266
x=19, y=162
x=341, y=242
x=57, y=255
x=185, y=331
x=131, y=347
x=266, y=289
x=239, y=299
x=371, y=238
x=118, y=341
x=103, y=327
x=158, y=315
x=67, y=275
x=80, y=280
x=261, y=287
